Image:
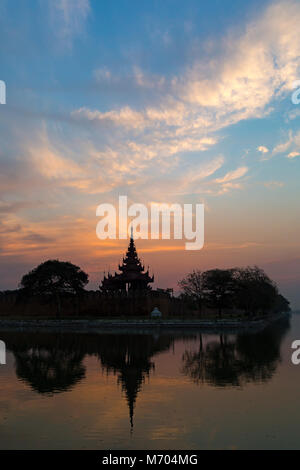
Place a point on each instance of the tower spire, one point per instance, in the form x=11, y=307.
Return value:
x=132, y=276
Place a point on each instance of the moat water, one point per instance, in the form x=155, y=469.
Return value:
x=188, y=390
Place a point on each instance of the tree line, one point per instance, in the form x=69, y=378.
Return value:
x=247, y=289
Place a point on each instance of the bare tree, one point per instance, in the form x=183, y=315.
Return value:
x=192, y=287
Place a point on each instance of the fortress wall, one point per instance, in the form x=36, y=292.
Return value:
x=91, y=303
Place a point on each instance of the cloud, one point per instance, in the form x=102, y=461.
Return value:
x=126, y=117
x=102, y=73
x=233, y=175
x=98, y=172
x=148, y=144
x=283, y=146
x=37, y=238
x=8, y=207
x=293, y=141
x=293, y=155
x=196, y=180
x=54, y=166
x=262, y=149
x=254, y=66
x=294, y=114
x=8, y=228
x=68, y=18
x=253, y=70
x=193, y=180
x=273, y=184
x=146, y=81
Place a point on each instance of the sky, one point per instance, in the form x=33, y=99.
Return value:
x=166, y=102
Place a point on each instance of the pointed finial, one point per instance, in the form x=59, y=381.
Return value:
x=131, y=232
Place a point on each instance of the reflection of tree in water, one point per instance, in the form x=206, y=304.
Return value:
x=129, y=357
x=49, y=371
x=47, y=363
x=234, y=362
x=52, y=362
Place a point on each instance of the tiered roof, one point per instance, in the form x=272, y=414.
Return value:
x=132, y=276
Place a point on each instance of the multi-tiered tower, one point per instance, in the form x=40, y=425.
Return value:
x=132, y=277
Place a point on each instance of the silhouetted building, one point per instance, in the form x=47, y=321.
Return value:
x=132, y=276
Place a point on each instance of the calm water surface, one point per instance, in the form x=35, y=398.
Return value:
x=149, y=391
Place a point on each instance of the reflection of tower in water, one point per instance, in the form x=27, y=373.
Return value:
x=129, y=356
x=132, y=378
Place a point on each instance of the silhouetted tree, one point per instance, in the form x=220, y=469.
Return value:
x=246, y=289
x=281, y=304
x=53, y=278
x=255, y=291
x=192, y=287
x=219, y=288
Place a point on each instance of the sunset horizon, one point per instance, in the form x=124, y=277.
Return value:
x=206, y=117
